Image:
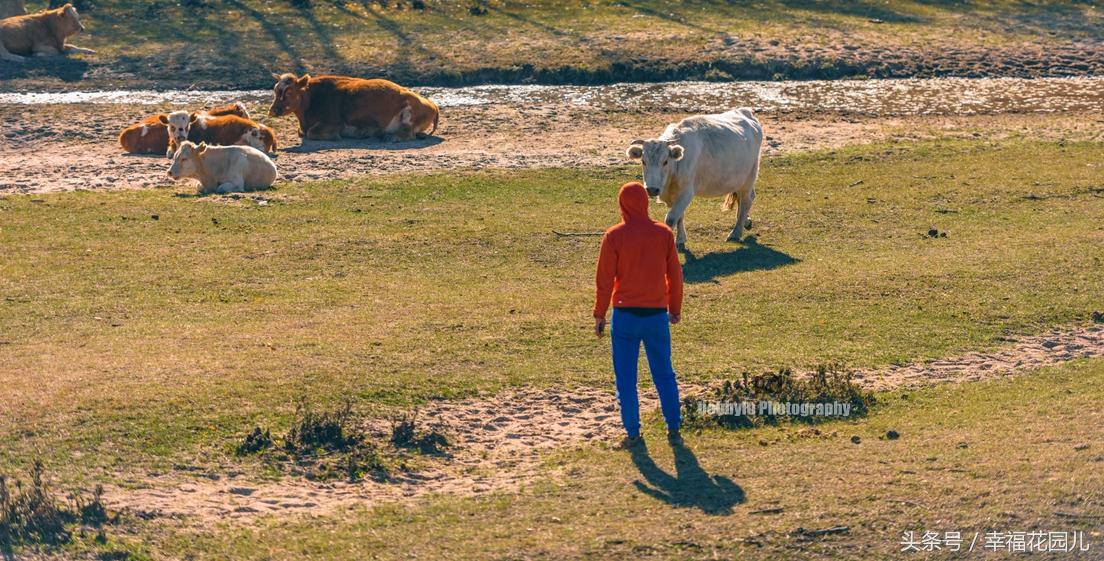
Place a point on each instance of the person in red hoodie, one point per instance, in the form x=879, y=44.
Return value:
x=639, y=271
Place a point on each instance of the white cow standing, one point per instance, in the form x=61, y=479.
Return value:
x=223, y=169
x=706, y=155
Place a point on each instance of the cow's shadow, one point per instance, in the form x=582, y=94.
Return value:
x=250, y=194
x=66, y=68
x=147, y=156
x=309, y=146
x=689, y=486
x=751, y=257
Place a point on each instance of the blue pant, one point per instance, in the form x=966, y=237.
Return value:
x=627, y=331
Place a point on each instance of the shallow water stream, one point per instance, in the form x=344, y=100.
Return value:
x=938, y=96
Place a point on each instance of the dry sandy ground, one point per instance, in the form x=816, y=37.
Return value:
x=500, y=441
x=68, y=147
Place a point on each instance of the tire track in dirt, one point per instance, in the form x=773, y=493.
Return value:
x=501, y=442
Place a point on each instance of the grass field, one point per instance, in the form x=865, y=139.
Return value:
x=236, y=43
x=992, y=456
x=141, y=329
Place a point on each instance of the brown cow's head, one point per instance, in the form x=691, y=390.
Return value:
x=67, y=21
x=260, y=137
x=185, y=162
x=659, y=158
x=288, y=94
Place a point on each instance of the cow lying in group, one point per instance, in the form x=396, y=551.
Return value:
x=706, y=155
x=335, y=107
x=225, y=130
x=151, y=136
x=40, y=34
x=223, y=169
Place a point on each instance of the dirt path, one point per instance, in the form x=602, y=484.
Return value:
x=500, y=442
x=69, y=147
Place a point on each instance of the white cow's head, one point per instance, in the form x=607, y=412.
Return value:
x=658, y=158
x=178, y=123
x=187, y=159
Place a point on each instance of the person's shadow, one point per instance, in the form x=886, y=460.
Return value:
x=690, y=486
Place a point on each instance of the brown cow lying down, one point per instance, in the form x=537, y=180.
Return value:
x=40, y=34
x=333, y=107
x=225, y=130
x=151, y=136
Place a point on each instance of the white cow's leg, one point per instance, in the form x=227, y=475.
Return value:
x=45, y=50
x=235, y=185
x=745, y=199
x=674, y=217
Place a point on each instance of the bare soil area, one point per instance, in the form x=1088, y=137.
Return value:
x=49, y=148
x=501, y=441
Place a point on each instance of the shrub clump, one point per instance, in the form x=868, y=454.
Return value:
x=332, y=443
x=31, y=514
x=829, y=385
x=406, y=434
x=255, y=442
x=330, y=430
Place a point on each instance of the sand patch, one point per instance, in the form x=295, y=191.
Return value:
x=1024, y=353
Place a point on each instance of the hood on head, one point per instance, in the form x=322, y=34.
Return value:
x=634, y=202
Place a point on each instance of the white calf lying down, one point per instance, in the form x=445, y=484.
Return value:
x=223, y=169
x=706, y=156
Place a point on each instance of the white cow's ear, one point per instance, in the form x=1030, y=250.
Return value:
x=635, y=151
x=676, y=152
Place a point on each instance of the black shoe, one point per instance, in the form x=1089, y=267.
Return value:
x=629, y=443
x=674, y=438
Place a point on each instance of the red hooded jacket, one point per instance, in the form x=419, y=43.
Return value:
x=638, y=264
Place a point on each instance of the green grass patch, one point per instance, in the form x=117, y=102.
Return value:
x=130, y=342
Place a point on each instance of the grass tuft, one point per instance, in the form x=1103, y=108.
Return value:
x=31, y=514
x=829, y=384
x=406, y=434
x=321, y=445
x=329, y=430
x=255, y=441
x=332, y=443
